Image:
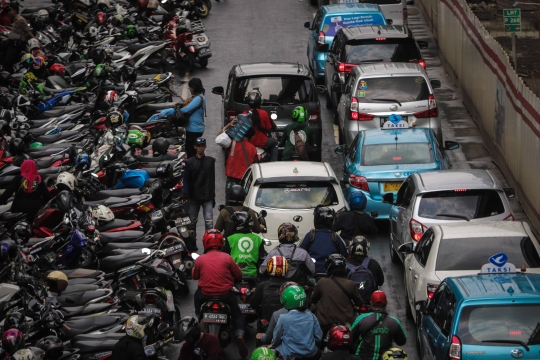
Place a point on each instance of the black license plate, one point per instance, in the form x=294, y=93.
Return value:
x=205, y=52
x=246, y=309
x=214, y=318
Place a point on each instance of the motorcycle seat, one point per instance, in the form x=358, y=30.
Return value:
x=54, y=91
x=45, y=163
x=120, y=236
x=153, y=76
x=83, y=281
x=159, y=106
x=104, y=194
x=48, y=139
x=112, y=263
x=151, y=171
x=7, y=216
x=33, y=241
x=82, y=273
x=79, y=288
x=94, y=346
x=112, y=248
x=116, y=223
x=84, y=309
x=149, y=96
x=151, y=158
x=95, y=337
x=59, y=111
x=57, y=82
x=81, y=298
x=172, y=142
x=133, y=48
x=42, y=131
x=106, y=202
x=87, y=324
x=43, y=153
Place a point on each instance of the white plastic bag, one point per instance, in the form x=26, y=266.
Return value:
x=223, y=140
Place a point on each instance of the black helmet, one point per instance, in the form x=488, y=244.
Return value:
x=5, y=129
x=65, y=31
x=6, y=115
x=254, y=99
x=243, y=222
x=160, y=147
x=64, y=201
x=360, y=246
x=8, y=250
x=5, y=78
x=336, y=264
x=287, y=233
x=16, y=320
x=130, y=161
x=53, y=347
x=237, y=194
x=164, y=170
x=21, y=231
x=16, y=147
x=188, y=328
x=323, y=216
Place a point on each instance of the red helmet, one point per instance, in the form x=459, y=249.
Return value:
x=111, y=97
x=12, y=340
x=212, y=238
x=142, y=4
x=57, y=69
x=378, y=298
x=101, y=18
x=339, y=336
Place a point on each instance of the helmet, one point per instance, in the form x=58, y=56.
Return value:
x=12, y=340
x=93, y=31
x=66, y=181
x=5, y=129
x=212, y=238
x=64, y=201
x=102, y=214
x=32, y=44
x=188, y=328
x=357, y=200
x=263, y=353
x=285, y=285
x=378, y=298
x=135, y=137
x=323, y=216
x=65, y=31
x=131, y=31
x=57, y=69
x=142, y=4
x=101, y=18
x=164, y=170
x=83, y=160
x=16, y=320
x=27, y=60
x=237, y=194
x=160, y=147
x=287, y=233
x=360, y=246
x=16, y=146
x=277, y=266
x=43, y=14
x=35, y=144
x=32, y=353
x=8, y=250
x=115, y=117
x=111, y=97
x=22, y=230
x=152, y=4
x=101, y=71
x=52, y=345
x=254, y=99
x=117, y=20
x=339, y=336
x=293, y=297
x=57, y=281
x=4, y=78
x=394, y=353
x=299, y=114
x=335, y=264
x=133, y=328
x=108, y=49
x=243, y=222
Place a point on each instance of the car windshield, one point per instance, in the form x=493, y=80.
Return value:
x=473, y=204
x=394, y=154
x=451, y=257
x=402, y=89
x=504, y=322
x=384, y=49
x=332, y=23
x=303, y=195
x=284, y=90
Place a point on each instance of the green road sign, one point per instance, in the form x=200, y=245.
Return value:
x=512, y=20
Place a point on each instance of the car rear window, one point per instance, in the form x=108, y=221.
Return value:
x=394, y=154
x=384, y=49
x=473, y=204
x=401, y=88
x=513, y=323
x=332, y=23
x=303, y=195
x=283, y=90
x=451, y=256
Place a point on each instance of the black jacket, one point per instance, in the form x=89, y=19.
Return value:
x=341, y=354
x=353, y=223
x=200, y=178
x=128, y=348
x=25, y=202
x=373, y=266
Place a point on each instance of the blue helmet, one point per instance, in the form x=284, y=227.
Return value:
x=83, y=160
x=357, y=200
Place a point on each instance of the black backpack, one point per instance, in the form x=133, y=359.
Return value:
x=229, y=229
x=363, y=278
x=271, y=300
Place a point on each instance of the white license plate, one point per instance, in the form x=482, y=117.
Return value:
x=246, y=309
x=152, y=310
x=385, y=119
x=215, y=318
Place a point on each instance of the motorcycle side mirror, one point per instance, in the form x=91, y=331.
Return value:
x=267, y=242
x=263, y=213
x=221, y=207
x=218, y=90
x=163, y=330
x=194, y=256
x=374, y=214
x=314, y=261
x=146, y=251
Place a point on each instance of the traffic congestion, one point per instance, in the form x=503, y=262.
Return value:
x=176, y=184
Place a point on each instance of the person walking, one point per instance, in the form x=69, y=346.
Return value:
x=15, y=43
x=194, y=110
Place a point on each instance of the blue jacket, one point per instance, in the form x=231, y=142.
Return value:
x=196, y=120
x=322, y=246
x=296, y=334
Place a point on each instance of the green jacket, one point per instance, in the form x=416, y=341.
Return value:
x=287, y=140
x=245, y=249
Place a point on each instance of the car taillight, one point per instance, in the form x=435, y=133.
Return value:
x=509, y=218
x=432, y=112
x=417, y=229
x=454, y=351
x=231, y=114
x=358, y=182
x=344, y=67
x=354, y=108
x=431, y=290
x=320, y=41
x=422, y=63
x=314, y=116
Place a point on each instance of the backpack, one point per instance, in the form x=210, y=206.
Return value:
x=363, y=278
x=300, y=147
x=293, y=266
x=271, y=300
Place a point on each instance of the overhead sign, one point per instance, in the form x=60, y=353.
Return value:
x=512, y=20
x=498, y=263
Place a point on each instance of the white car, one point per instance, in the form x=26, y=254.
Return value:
x=462, y=249
x=289, y=191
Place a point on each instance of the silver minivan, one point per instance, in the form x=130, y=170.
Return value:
x=373, y=92
x=440, y=197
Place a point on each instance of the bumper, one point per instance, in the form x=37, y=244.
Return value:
x=319, y=64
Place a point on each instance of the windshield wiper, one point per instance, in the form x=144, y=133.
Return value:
x=392, y=100
x=454, y=216
x=373, y=60
x=271, y=103
x=519, y=342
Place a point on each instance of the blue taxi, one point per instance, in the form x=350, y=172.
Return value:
x=379, y=160
x=491, y=316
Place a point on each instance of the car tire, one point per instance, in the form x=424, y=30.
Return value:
x=408, y=311
x=393, y=253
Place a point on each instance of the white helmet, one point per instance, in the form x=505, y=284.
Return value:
x=102, y=214
x=32, y=44
x=133, y=328
x=43, y=14
x=106, y=3
x=153, y=4
x=66, y=180
x=93, y=31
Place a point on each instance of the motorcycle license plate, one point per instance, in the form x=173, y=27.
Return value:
x=152, y=310
x=246, y=309
x=215, y=318
x=205, y=52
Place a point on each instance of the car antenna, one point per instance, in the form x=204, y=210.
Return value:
x=379, y=32
x=297, y=63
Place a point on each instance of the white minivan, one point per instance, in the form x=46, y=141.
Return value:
x=395, y=10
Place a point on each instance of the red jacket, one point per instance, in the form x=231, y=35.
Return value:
x=260, y=139
x=236, y=164
x=216, y=272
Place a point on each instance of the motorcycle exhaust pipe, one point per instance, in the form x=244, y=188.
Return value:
x=224, y=336
x=188, y=264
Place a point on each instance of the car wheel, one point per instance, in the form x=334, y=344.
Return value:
x=393, y=253
x=408, y=311
x=329, y=104
x=418, y=342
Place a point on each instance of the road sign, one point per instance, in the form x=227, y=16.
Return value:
x=512, y=20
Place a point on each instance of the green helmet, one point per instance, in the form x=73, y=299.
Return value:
x=263, y=353
x=35, y=144
x=101, y=70
x=299, y=114
x=135, y=137
x=293, y=297
x=131, y=31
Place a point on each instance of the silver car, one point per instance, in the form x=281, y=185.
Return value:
x=440, y=197
x=374, y=92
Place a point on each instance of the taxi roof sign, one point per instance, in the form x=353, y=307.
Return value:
x=395, y=122
x=498, y=264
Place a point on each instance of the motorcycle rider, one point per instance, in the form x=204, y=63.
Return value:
x=359, y=252
x=244, y=247
x=375, y=332
x=355, y=222
x=237, y=195
x=300, y=126
x=340, y=343
x=322, y=241
x=131, y=346
x=217, y=273
x=300, y=264
x=262, y=125
x=204, y=344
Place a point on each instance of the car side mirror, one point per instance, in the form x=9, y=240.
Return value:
x=422, y=44
x=336, y=79
x=218, y=90
x=307, y=25
x=451, y=145
x=340, y=149
x=263, y=213
x=374, y=214
x=321, y=89
x=388, y=198
x=323, y=48
x=510, y=193
x=435, y=84
x=338, y=88
x=420, y=306
x=407, y=248
x=389, y=21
